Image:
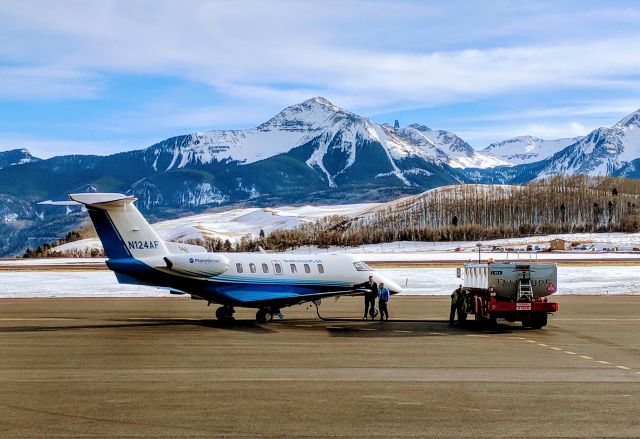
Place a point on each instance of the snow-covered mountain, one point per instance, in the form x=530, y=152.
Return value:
x=16, y=157
x=604, y=151
x=527, y=149
x=292, y=127
x=336, y=141
x=456, y=152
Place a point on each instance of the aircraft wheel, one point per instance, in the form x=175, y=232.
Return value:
x=264, y=316
x=224, y=313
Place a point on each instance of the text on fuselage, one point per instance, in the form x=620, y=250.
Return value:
x=143, y=245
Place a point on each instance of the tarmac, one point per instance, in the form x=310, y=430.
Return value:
x=163, y=367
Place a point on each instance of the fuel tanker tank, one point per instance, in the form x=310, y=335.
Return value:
x=512, y=280
x=198, y=264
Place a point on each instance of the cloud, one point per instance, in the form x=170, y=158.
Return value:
x=371, y=57
x=606, y=108
x=263, y=49
x=46, y=82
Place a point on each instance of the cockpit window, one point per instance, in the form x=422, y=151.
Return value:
x=361, y=266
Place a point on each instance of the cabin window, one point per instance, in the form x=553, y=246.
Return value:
x=320, y=269
x=307, y=269
x=265, y=268
x=239, y=268
x=252, y=268
x=277, y=267
x=294, y=269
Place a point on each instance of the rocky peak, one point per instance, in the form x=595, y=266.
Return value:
x=419, y=127
x=307, y=115
x=632, y=120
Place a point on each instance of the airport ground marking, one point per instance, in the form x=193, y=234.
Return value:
x=401, y=331
x=586, y=357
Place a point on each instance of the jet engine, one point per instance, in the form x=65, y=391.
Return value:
x=199, y=264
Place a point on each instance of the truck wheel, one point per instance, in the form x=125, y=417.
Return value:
x=527, y=324
x=539, y=321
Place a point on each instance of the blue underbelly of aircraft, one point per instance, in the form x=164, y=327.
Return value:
x=228, y=290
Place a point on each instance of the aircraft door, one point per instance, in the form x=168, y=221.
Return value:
x=277, y=267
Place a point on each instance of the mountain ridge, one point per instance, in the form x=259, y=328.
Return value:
x=311, y=152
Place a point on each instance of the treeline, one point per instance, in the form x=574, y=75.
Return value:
x=553, y=205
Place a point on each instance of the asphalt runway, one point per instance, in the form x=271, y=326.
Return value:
x=158, y=367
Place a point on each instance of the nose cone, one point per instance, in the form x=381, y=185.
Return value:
x=393, y=287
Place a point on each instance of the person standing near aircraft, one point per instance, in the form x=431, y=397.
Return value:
x=383, y=299
x=456, y=298
x=370, y=298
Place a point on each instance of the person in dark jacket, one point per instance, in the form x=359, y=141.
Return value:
x=456, y=299
x=383, y=299
x=370, y=298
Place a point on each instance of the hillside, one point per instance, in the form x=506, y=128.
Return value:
x=450, y=213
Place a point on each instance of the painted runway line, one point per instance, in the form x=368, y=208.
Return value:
x=586, y=357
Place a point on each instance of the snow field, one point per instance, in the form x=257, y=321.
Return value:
x=600, y=280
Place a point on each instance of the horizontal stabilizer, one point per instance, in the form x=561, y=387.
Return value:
x=59, y=203
x=102, y=199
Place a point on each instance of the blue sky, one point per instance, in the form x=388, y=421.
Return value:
x=105, y=76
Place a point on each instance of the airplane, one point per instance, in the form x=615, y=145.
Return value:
x=265, y=281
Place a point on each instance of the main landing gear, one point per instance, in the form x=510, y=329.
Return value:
x=225, y=313
x=265, y=315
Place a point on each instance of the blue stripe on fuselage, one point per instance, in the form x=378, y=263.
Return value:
x=131, y=270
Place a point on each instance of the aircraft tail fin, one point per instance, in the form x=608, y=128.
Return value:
x=121, y=227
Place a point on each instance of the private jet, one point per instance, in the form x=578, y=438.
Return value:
x=267, y=282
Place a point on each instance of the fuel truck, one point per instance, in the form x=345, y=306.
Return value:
x=499, y=292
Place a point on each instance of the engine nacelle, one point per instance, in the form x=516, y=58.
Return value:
x=198, y=264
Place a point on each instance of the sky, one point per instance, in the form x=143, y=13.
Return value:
x=98, y=77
